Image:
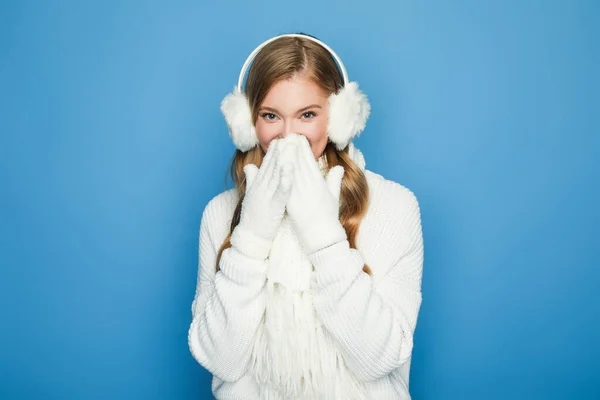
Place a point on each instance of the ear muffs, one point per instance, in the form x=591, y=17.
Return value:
x=349, y=108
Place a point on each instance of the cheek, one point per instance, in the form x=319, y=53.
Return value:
x=265, y=133
x=317, y=136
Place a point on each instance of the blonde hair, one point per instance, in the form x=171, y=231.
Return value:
x=282, y=59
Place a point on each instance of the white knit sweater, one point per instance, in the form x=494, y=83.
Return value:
x=318, y=327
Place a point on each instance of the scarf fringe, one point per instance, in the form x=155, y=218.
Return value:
x=294, y=357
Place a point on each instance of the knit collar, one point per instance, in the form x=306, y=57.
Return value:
x=354, y=153
x=322, y=161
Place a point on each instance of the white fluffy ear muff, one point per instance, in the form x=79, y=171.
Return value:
x=349, y=109
x=238, y=117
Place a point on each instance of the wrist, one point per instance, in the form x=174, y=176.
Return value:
x=327, y=263
x=319, y=233
x=250, y=244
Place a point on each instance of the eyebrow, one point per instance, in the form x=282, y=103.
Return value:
x=299, y=111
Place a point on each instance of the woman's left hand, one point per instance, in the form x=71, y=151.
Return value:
x=313, y=205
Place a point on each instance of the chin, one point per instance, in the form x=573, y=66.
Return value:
x=320, y=152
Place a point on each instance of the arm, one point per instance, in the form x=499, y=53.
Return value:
x=373, y=325
x=228, y=305
x=231, y=303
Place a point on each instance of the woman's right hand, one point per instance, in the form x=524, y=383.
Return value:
x=267, y=191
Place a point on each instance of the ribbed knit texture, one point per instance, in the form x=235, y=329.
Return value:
x=312, y=325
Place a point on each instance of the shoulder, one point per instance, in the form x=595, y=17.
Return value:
x=391, y=227
x=223, y=202
x=390, y=197
x=218, y=213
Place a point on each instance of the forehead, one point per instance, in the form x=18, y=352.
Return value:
x=295, y=91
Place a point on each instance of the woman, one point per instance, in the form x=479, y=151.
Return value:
x=309, y=281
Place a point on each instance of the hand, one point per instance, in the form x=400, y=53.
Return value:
x=313, y=204
x=267, y=192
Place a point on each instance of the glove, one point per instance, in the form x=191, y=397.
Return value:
x=313, y=205
x=267, y=192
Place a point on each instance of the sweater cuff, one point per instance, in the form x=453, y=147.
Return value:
x=242, y=270
x=318, y=236
x=249, y=244
x=336, y=262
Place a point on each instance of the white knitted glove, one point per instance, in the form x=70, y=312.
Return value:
x=267, y=192
x=313, y=205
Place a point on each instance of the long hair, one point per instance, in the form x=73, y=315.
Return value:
x=282, y=59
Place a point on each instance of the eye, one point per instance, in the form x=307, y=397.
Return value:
x=268, y=116
x=309, y=114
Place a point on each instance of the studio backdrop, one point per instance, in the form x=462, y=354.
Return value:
x=112, y=144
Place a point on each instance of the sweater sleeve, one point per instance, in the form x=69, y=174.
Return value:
x=373, y=319
x=229, y=304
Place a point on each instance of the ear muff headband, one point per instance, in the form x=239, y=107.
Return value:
x=349, y=108
x=266, y=42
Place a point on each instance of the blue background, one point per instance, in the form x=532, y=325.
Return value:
x=112, y=143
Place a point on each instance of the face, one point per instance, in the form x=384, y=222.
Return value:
x=295, y=105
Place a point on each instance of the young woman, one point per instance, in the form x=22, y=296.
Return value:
x=309, y=281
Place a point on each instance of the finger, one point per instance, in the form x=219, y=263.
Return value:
x=288, y=140
x=303, y=142
x=288, y=150
x=292, y=136
x=305, y=150
x=272, y=182
x=288, y=160
x=250, y=171
x=334, y=181
x=286, y=176
x=268, y=163
x=285, y=182
x=306, y=160
x=272, y=149
x=300, y=168
x=282, y=144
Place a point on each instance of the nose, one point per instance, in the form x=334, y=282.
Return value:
x=288, y=127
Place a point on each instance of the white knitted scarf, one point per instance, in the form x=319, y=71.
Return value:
x=294, y=356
